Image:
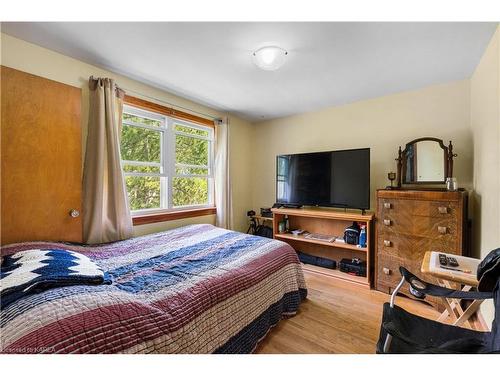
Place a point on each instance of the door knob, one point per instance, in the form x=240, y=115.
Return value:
x=387, y=271
x=387, y=243
x=387, y=222
x=74, y=213
x=387, y=205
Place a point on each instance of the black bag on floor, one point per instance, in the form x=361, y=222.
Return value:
x=264, y=231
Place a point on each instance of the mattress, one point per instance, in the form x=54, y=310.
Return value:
x=195, y=289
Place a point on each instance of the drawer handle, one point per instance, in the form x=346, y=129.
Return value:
x=388, y=205
x=387, y=243
x=387, y=271
x=387, y=222
x=442, y=230
x=443, y=209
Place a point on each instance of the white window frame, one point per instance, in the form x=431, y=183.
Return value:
x=167, y=162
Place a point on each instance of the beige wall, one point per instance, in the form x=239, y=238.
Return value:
x=33, y=59
x=485, y=125
x=382, y=124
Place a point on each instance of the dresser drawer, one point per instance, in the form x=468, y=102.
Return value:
x=388, y=269
x=424, y=226
x=388, y=205
x=413, y=247
x=388, y=275
x=441, y=209
x=405, y=207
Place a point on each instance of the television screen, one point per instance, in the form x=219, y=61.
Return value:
x=331, y=179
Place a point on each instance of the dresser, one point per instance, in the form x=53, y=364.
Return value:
x=411, y=222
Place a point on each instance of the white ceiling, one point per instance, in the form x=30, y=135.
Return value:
x=328, y=63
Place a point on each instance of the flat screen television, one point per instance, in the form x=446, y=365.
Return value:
x=329, y=179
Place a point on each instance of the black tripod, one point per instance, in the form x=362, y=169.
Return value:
x=252, y=229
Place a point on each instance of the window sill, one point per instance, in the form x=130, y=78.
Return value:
x=172, y=215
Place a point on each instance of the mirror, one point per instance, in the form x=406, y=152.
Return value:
x=425, y=161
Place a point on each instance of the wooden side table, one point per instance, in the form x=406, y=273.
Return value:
x=465, y=280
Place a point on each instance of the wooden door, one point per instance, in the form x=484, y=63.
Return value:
x=41, y=159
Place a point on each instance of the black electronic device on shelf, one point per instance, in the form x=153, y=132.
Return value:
x=266, y=212
x=316, y=261
x=354, y=266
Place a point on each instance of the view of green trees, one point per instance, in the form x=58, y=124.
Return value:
x=144, y=145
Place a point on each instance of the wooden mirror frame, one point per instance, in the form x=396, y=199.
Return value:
x=448, y=161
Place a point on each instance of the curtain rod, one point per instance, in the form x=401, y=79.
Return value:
x=171, y=104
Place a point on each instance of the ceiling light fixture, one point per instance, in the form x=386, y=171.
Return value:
x=269, y=58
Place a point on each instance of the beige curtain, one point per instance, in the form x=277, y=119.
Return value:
x=106, y=214
x=223, y=194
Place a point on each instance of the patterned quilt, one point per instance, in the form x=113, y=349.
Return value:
x=196, y=289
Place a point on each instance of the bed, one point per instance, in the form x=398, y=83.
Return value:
x=195, y=289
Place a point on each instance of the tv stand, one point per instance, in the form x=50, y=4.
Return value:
x=328, y=222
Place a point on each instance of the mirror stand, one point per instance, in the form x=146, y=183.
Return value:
x=424, y=161
x=451, y=155
x=399, y=160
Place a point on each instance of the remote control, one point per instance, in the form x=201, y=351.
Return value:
x=442, y=260
x=452, y=262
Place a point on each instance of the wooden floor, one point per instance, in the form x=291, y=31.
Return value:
x=337, y=317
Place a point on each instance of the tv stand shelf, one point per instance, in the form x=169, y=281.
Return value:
x=288, y=236
x=330, y=222
x=334, y=273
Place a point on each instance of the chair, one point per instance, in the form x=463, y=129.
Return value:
x=403, y=332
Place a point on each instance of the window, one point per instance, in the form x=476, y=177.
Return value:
x=167, y=162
